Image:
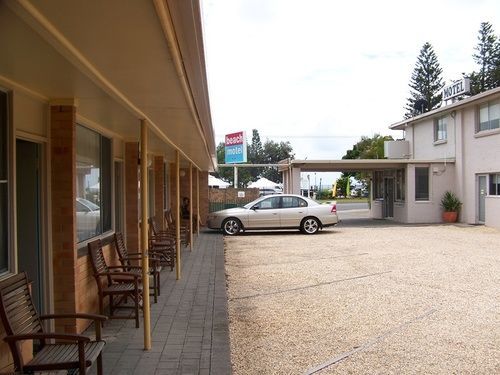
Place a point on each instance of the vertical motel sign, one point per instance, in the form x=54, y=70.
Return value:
x=235, y=149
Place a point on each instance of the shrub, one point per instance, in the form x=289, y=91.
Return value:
x=450, y=202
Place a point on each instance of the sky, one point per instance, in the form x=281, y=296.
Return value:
x=322, y=73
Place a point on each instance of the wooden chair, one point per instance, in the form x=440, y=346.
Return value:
x=184, y=229
x=113, y=282
x=21, y=322
x=162, y=242
x=126, y=258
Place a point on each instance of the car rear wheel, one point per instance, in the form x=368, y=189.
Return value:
x=310, y=225
x=231, y=226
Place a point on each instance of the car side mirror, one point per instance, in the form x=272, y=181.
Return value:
x=254, y=208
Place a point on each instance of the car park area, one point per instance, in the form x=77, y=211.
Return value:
x=363, y=299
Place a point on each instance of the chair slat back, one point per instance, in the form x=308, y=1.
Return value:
x=152, y=227
x=97, y=259
x=17, y=310
x=121, y=249
x=170, y=217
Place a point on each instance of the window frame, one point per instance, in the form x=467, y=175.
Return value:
x=426, y=194
x=378, y=184
x=400, y=182
x=494, y=184
x=106, y=185
x=441, y=126
x=6, y=183
x=487, y=105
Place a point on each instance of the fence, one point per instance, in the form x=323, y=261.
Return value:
x=221, y=199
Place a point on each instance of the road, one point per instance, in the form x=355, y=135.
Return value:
x=351, y=206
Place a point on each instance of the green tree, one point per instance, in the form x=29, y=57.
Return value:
x=273, y=152
x=366, y=148
x=425, y=84
x=255, y=154
x=342, y=185
x=487, y=57
x=269, y=153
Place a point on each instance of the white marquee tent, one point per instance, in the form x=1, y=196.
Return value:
x=217, y=182
x=264, y=183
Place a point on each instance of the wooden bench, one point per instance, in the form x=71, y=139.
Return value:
x=22, y=322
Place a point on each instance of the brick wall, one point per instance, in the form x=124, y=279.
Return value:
x=132, y=196
x=231, y=194
x=88, y=300
x=63, y=185
x=203, y=176
x=159, y=187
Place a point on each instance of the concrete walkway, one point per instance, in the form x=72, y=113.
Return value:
x=189, y=323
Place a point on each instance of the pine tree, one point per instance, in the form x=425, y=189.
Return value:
x=487, y=56
x=426, y=83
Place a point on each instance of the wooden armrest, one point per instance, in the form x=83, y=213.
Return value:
x=41, y=336
x=76, y=315
x=112, y=274
x=130, y=268
x=151, y=258
x=98, y=319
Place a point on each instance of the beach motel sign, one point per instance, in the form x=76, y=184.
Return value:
x=235, y=148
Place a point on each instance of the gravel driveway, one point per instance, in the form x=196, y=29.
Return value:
x=365, y=300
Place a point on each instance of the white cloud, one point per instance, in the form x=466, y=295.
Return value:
x=292, y=68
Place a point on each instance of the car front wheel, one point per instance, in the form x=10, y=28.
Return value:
x=310, y=225
x=231, y=226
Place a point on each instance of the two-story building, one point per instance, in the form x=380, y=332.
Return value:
x=455, y=147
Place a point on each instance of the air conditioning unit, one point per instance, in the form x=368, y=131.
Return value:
x=397, y=149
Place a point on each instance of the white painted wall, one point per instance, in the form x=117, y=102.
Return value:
x=29, y=114
x=423, y=137
x=492, y=218
x=481, y=155
x=441, y=178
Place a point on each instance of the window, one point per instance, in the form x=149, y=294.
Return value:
x=118, y=196
x=151, y=192
x=93, y=184
x=422, y=183
x=165, y=187
x=4, y=185
x=293, y=202
x=440, y=132
x=400, y=185
x=378, y=184
x=269, y=203
x=494, y=184
x=489, y=116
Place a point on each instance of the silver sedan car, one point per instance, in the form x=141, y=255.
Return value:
x=283, y=211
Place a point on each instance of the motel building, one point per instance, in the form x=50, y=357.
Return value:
x=104, y=122
x=455, y=147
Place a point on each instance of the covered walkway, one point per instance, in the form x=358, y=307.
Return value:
x=189, y=323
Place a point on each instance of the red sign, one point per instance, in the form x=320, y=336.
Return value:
x=234, y=139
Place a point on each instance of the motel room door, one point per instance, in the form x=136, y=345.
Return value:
x=481, y=193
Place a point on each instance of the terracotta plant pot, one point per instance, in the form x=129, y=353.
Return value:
x=450, y=216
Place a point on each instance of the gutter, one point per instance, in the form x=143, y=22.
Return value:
x=167, y=25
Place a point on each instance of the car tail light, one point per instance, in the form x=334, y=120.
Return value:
x=334, y=208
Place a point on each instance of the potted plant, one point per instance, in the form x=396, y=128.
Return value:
x=451, y=205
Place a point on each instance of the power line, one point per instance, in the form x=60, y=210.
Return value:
x=302, y=136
